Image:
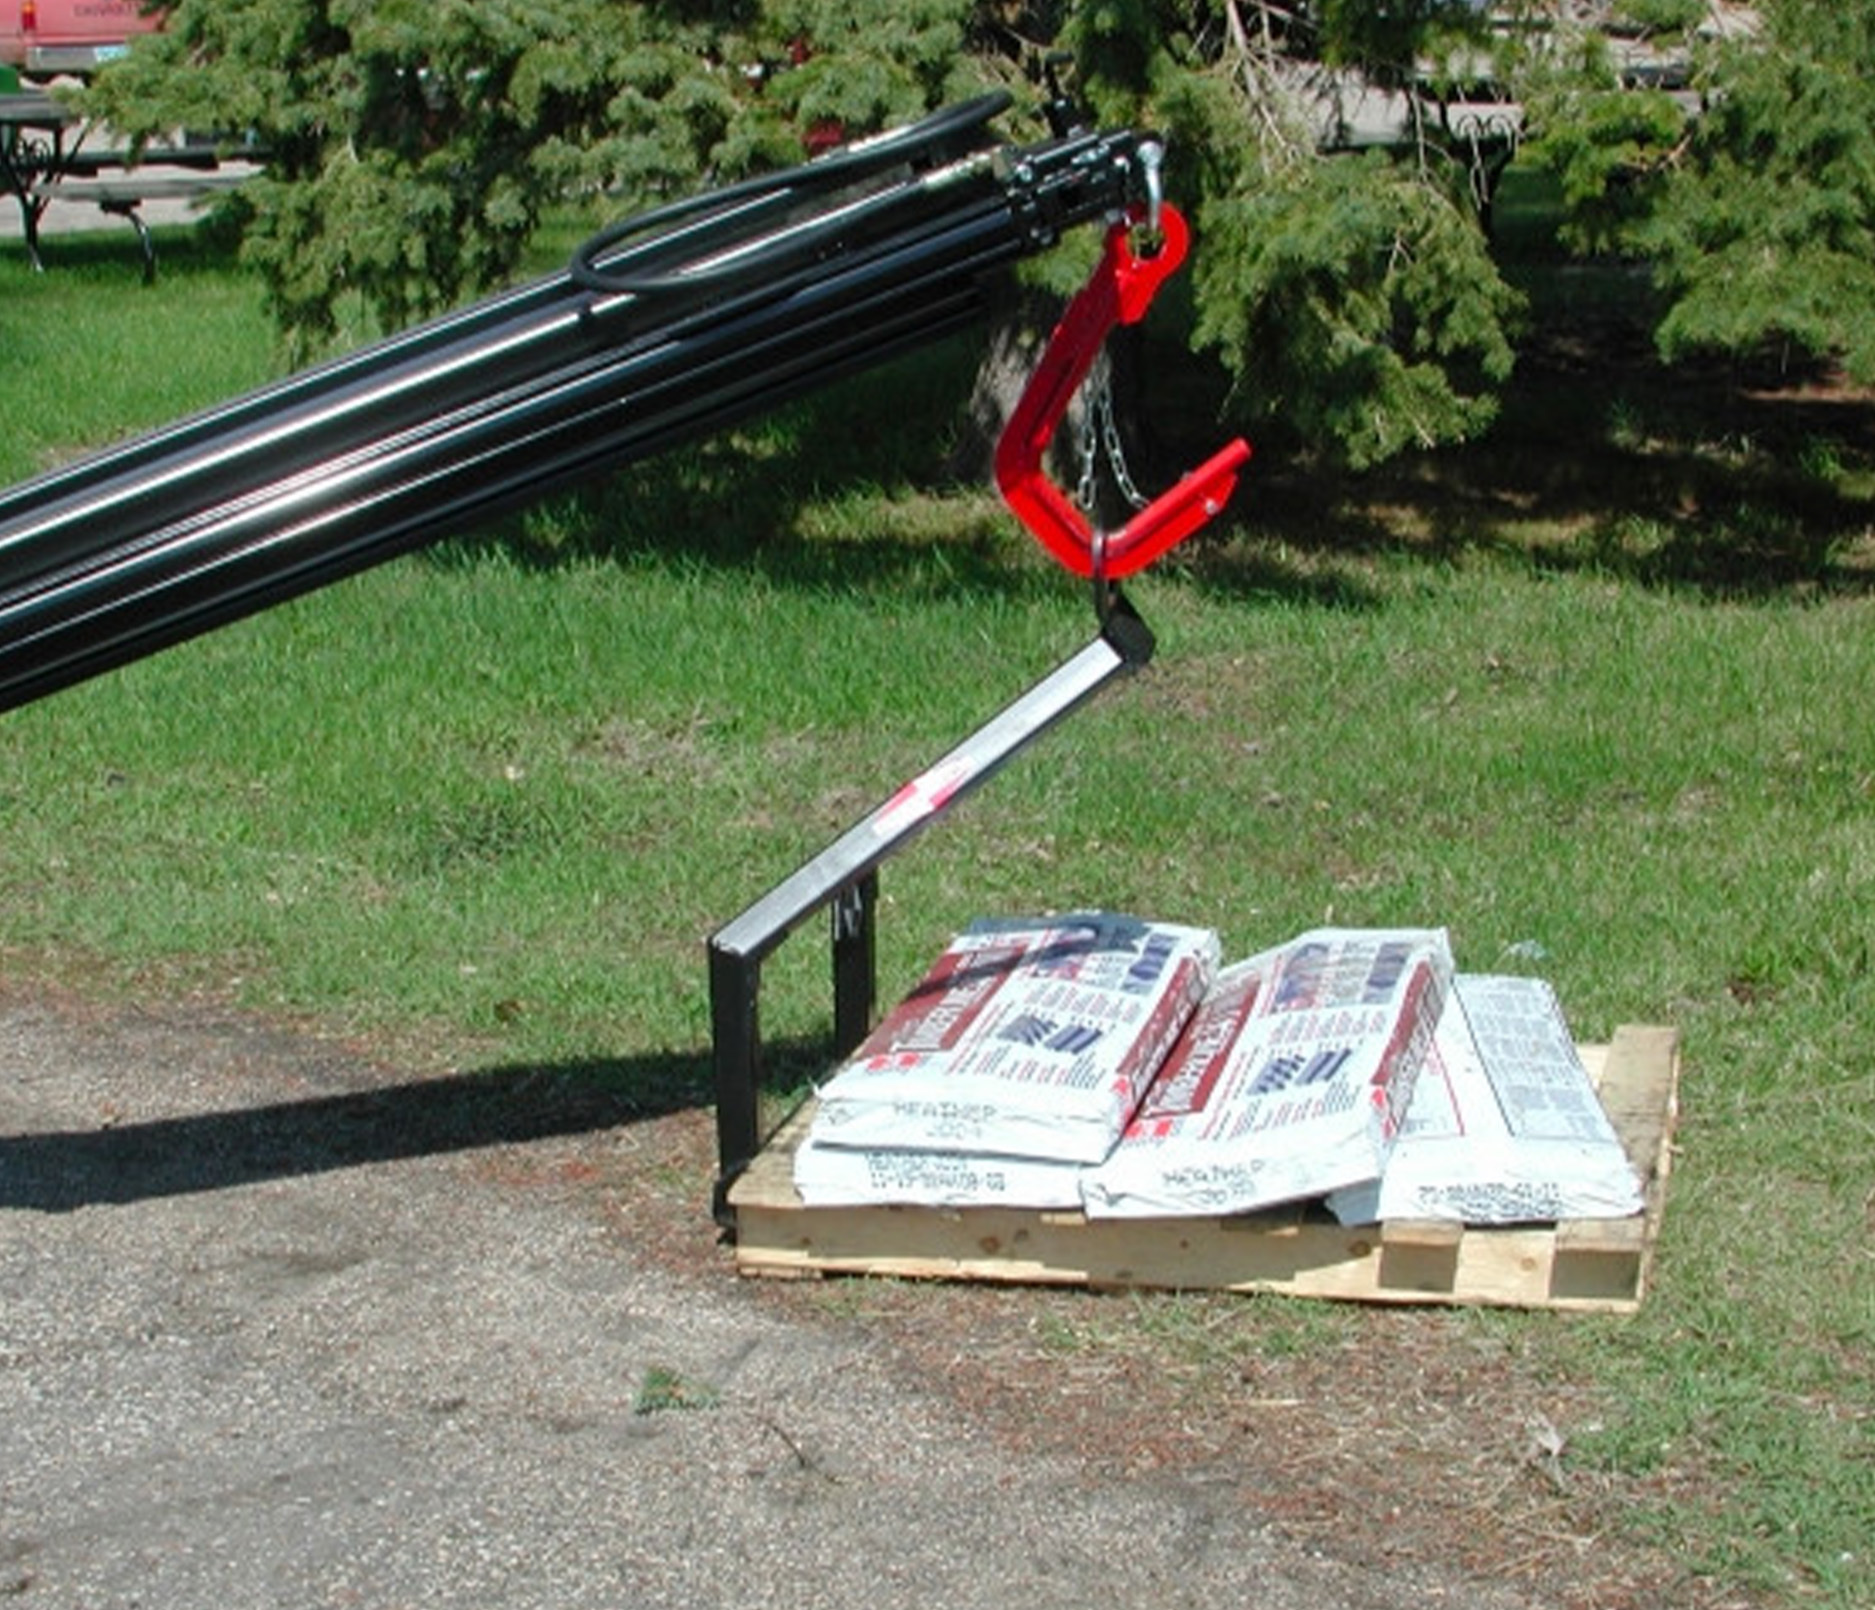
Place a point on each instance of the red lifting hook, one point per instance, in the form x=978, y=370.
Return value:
x=1121, y=289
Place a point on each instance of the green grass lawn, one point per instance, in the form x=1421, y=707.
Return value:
x=1591, y=695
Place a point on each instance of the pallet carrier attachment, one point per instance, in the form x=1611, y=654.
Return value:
x=1142, y=250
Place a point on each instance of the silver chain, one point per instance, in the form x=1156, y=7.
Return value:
x=1100, y=433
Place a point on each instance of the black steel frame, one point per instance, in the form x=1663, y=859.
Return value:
x=34, y=157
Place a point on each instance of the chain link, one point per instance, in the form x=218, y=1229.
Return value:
x=1087, y=489
x=1100, y=435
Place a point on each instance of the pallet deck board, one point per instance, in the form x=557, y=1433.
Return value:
x=1587, y=1264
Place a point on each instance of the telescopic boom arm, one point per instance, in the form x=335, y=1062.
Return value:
x=663, y=329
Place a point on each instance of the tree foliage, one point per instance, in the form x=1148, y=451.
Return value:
x=1610, y=144
x=414, y=145
x=1357, y=304
x=1344, y=280
x=1351, y=299
x=1751, y=192
x=1765, y=233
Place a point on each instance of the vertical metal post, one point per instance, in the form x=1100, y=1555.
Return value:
x=855, y=961
x=736, y=1041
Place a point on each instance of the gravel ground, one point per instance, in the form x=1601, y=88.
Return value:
x=281, y=1327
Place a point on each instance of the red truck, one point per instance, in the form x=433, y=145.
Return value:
x=47, y=37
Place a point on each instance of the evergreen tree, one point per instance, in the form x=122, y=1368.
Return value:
x=1351, y=298
x=1752, y=193
x=1765, y=234
x=413, y=145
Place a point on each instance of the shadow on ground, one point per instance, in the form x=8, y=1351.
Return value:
x=62, y=1171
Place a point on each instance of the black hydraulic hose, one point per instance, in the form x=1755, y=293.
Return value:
x=931, y=139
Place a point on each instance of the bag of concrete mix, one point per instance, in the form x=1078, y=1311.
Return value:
x=1027, y=1038
x=1290, y=1081
x=1505, y=1126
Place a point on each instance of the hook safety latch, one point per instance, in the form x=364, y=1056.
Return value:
x=1119, y=292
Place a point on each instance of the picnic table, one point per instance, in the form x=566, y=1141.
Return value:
x=44, y=156
x=34, y=153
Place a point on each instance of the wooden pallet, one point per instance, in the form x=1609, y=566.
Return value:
x=1589, y=1264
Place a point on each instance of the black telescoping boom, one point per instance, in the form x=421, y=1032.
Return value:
x=661, y=330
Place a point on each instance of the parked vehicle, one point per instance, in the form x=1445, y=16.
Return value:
x=48, y=37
